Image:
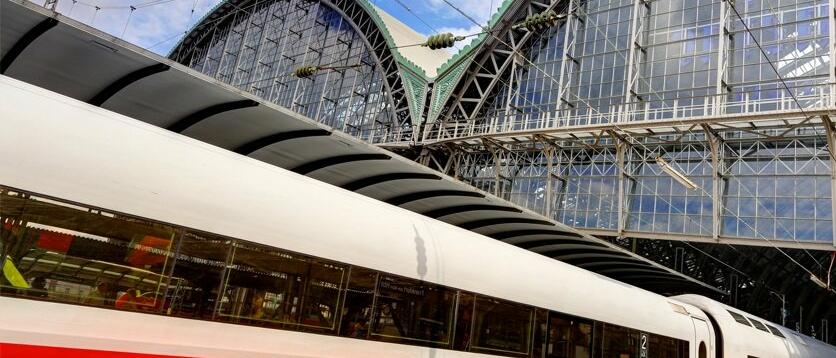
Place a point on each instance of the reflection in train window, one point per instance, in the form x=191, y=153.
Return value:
x=665, y=347
x=266, y=286
x=775, y=331
x=197, y=274
x=619, y=342
x=501, y=325
x=759, y=325
x=569, y=337
x=464, y=321
x=541, y=327
x=359, y=297
x=69, y=253
x=412, y=310
x=739, y=318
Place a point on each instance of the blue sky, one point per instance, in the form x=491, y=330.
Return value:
x=158, y=24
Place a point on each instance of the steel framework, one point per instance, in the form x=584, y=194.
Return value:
x=534, y=123
x=256, y=44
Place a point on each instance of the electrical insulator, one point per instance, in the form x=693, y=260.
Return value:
x=445, y=40
x=541, y=21
x=305, y=71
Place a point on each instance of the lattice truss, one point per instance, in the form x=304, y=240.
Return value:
x=570, y=122
x=255, y=45
x=756, y=187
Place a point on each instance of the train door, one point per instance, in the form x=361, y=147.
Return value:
x=703, y=339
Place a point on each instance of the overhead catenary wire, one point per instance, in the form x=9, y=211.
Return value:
x=433, y=29
x=775, y=69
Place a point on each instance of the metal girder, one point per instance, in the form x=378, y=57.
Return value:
x=830, y=132
x=717, y=166
x=477, y=224
x=353, y=14
x=569, y=66
x=825, y=246
x=420, y=195
x=640, y=17
x=315, y=165
x=724, y=56
x=118, y=85
x=457, y=209
x=382, y=178
x=268, y=140
x=487, y=70
x=752, y=121
x=28, y=38
x=198, y=116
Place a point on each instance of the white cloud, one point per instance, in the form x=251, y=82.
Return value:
x=160, y=25
x=479, y=10
x=163, y=24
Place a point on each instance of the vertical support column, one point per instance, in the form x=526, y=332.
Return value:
x=569, y=64
x=641, y=13
x=724, y=46
x=549, y=152
x=622, y=175
x=831, y=19
x=715, y=144
x=621, y=147
x=830, y=132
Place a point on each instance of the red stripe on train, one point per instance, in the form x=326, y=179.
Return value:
x=8, y=350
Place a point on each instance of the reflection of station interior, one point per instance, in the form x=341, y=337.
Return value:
x=557, y=154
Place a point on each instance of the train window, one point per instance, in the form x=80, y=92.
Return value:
x=64, y=252
x=464, y=321
x=266, y=286
x=359, y=297
x=702, y=353
x=569, y=337
x=412, y=310
x=775, y=331
x=501, y=326
x=619, y=342
x=739, y=318
x=759, y=325
x=666, y=347
x=541, y=327
x=196, y=278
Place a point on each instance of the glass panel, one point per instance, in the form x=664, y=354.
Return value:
x=666, y=347
x=775, y=331
x=739, y=318
x=196, y=277
x=541, y=328
x=569, y=337
x=619, y=342
x=269, y=287
x=501, y=325
x=359, y=298
x=412, y=310
x=69, y=253
x=464, y=321
x=759, y=325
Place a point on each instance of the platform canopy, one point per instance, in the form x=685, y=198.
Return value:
x=57, y=53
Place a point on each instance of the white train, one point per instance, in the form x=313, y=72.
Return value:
x=123, y=239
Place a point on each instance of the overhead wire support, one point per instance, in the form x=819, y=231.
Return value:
x=308, y=71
